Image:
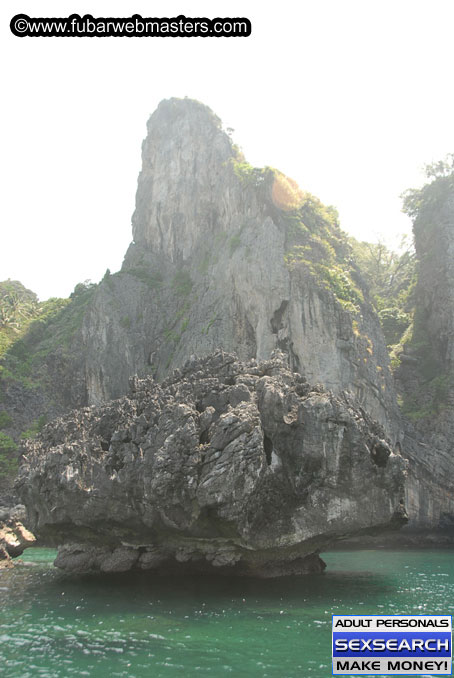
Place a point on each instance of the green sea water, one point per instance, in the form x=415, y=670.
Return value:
x=53, y=625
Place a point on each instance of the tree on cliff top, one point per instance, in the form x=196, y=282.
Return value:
x=441, y=175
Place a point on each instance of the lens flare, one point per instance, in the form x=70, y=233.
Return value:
x=286, y=193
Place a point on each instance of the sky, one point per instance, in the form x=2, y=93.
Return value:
x=351, y=98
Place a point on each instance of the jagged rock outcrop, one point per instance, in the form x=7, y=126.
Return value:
x=237, y=467
x=14, y=537
x=225, y=255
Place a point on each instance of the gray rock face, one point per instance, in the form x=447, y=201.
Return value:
x=434, y=242
x=238, y=467
x=207, y=269
x=429, y=436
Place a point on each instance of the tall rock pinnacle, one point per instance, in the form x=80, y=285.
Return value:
x=231, y=256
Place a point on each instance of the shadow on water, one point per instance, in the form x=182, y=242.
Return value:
x=136, y=625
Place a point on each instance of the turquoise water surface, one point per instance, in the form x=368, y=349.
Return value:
x=139, y=626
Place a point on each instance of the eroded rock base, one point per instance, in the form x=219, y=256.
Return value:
x=85, y=559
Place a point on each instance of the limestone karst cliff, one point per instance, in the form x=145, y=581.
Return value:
x=225, y=255
x=425, y=377
x=228, y=255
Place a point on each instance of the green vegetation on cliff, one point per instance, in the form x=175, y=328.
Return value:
x=390, y=278
x=36, y=350
x=352, y=271
x=18, y=307
x=316, y=244
x=50, y=325
x=423, y=204
x=8, y=460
